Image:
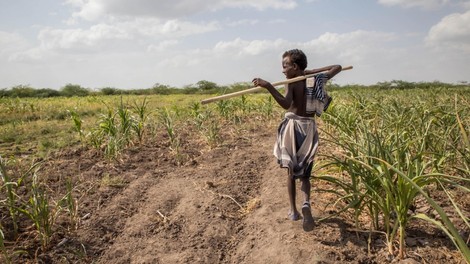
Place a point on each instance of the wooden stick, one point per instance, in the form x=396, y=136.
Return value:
x=259, y=88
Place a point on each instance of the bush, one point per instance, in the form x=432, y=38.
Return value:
x=22, y=91
x=110, y=91
x=70, y=90
x=4, y=93
x=46, y=92
x=206, y=85
x=162, y=89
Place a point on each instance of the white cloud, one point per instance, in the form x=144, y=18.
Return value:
x=174, y=28
x=134, y=44
x=14, y=47
x=11, y=42
x=453, y=31
x=96, y=9
x=243, y=22
x=277, y=21
x=81, y=39
x=183, y=62
x=162, y=46
x=90, y=10
x=28, y=55
x=426, y=4
x=241, y=59
x=259, y=4
x=355, y=47
x=96, y=39
x=75, y=2
x=465, y=4
x=248, y=48
x=131, y=34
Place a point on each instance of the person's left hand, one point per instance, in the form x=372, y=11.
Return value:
x=260, y=82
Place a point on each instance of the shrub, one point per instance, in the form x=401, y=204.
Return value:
x=162, y=89
x=110, y=91
x=70, y=90
x=46, y=92
x=22, y=91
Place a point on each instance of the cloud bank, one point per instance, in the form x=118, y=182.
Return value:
x=135, y=44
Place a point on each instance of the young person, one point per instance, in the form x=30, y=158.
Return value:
x=297, y=139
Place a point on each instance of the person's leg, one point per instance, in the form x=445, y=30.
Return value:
x=293, y=214
x=305, y=188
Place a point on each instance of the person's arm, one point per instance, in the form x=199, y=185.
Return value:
x=332, y=70
x=284, y=101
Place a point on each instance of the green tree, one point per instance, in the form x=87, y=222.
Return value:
x=109, y=91
x=162, y=89
x=70, y=90
x=206, y=85
x=22, y=91
x=46, y=92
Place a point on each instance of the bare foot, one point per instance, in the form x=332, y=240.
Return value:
x=294, y=216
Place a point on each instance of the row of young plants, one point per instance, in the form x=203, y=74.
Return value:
x=398, y=146
x=27, y=203
x=127, y=123
x=27, y=124
x=27, y=200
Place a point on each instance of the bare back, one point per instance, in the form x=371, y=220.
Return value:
x=297, y=90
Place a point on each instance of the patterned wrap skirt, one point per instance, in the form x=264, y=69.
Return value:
x=296, y=145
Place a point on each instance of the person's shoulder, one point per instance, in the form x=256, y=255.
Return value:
x=297, y=85
x=293, y=84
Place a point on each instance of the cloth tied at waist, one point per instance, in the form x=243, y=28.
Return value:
x=297, y=143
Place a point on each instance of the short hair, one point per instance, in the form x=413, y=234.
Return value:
x=298, y=57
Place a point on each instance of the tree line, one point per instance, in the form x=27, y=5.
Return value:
x=70, y=90
x=201, y=87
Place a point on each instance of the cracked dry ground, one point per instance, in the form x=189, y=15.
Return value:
x=223, y=205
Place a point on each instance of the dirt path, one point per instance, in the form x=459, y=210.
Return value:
x=225, y=205
x=228, y=208
x=228, y=205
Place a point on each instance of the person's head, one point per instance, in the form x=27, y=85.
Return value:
x=294, y=62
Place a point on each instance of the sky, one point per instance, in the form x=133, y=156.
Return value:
x=137, y=44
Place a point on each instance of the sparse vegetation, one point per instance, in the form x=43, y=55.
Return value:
x=394, y=146
x=395, y=143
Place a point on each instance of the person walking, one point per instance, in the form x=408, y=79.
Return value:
x=297, y=135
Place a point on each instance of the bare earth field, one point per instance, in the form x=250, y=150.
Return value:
x=222, y=205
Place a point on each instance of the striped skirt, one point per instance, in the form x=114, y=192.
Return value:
x=296, y=145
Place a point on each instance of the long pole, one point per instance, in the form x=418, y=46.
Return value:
x=259, y=88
